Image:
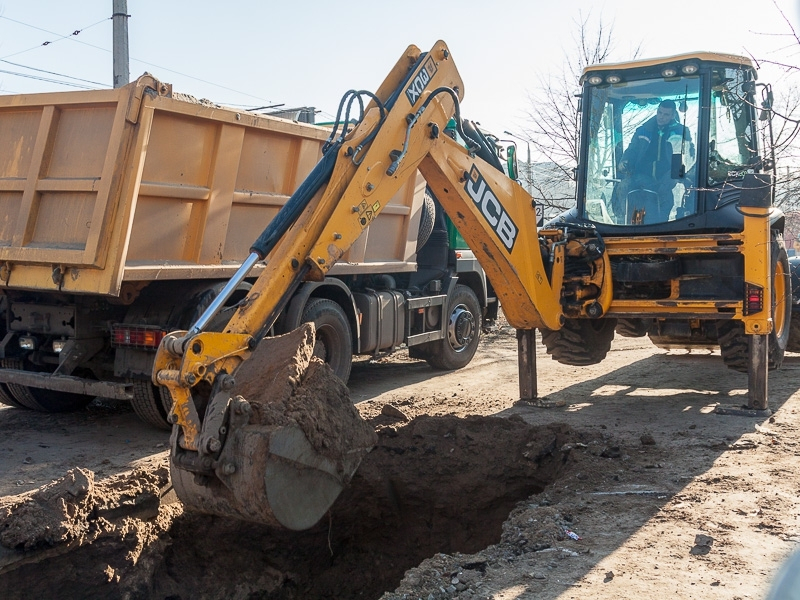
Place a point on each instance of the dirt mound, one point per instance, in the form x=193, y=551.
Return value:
x=286, y=385
x=73, y=535
x=434, y=484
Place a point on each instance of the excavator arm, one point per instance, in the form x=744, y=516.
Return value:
x=401, y=131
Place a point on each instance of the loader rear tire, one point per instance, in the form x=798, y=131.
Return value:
x=734, y=344
x=794, y=334
x=580, y=342
x=334, y=340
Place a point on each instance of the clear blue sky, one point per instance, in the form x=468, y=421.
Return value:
x=258, y=53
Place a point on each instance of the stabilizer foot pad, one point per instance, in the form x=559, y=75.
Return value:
x=741, y=410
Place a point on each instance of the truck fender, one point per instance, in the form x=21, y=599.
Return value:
x=477, y=281
x=330, y=288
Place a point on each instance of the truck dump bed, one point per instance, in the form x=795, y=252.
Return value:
x=102, y=190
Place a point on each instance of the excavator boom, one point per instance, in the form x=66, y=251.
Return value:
x=227, y=456
x=401, y=130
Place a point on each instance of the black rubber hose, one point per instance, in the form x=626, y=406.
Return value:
x=290, y=211
x=318, y=177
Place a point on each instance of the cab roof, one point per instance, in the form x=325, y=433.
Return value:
x=718, y=57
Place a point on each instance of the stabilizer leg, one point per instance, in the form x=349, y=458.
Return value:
x=757, y=379
x=526, y=359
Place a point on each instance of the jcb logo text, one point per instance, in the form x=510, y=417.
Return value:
x=491, y=209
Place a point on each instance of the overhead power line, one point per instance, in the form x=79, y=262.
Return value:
x=8, y=62
x=47, y=79
x=73, y=37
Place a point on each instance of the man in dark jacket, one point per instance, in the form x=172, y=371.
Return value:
x=647, y=163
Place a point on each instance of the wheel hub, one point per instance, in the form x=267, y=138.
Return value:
x=461, y=328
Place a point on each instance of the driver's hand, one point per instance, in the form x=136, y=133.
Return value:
x=623, y=167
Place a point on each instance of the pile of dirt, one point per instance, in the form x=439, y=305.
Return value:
x=286, y=385
x=46, y=535
x=292, y=439
x=431, y=485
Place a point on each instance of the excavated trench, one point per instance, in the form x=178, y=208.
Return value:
x=436, y=484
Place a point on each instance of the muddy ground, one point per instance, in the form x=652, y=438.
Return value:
x=468, y=494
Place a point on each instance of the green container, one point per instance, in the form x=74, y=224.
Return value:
x=454, y=237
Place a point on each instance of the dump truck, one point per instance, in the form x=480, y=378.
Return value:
x=126, y=211
x=697, y=246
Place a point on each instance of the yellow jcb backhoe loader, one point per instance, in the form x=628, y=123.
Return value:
x=573, y=280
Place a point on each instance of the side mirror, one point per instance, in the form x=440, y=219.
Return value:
x=511, y=161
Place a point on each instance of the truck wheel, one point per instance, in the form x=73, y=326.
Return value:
x=632, y=328
x=426, y=219
x=42, y=400
x=334, y=341
x=734, y=344
x=463, y=333
x=580, y=342
x=151, y=403
x=8, y=399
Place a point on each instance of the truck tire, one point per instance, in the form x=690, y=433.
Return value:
x=151, y=403
x=580, y=342
x=458, y=347
x=42, y=400
x=8, y=399
x=334, y=340
x=734, y=344
x=426, y=219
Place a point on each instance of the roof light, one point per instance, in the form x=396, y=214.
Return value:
x=613, y=79
x=669, y=72
x=689, y=69
x=595, y=80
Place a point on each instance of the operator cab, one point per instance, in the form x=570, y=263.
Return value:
x=666, y=142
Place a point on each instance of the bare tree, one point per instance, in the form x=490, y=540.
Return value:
x=783, y=112
x=554, y=118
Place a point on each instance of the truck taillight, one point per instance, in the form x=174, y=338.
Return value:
x=132, y=336
x=753, y=299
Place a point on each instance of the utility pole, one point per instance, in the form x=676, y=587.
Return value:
x=122, y=71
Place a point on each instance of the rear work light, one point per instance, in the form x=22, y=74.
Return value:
x=136, y=336
x=753, y=299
